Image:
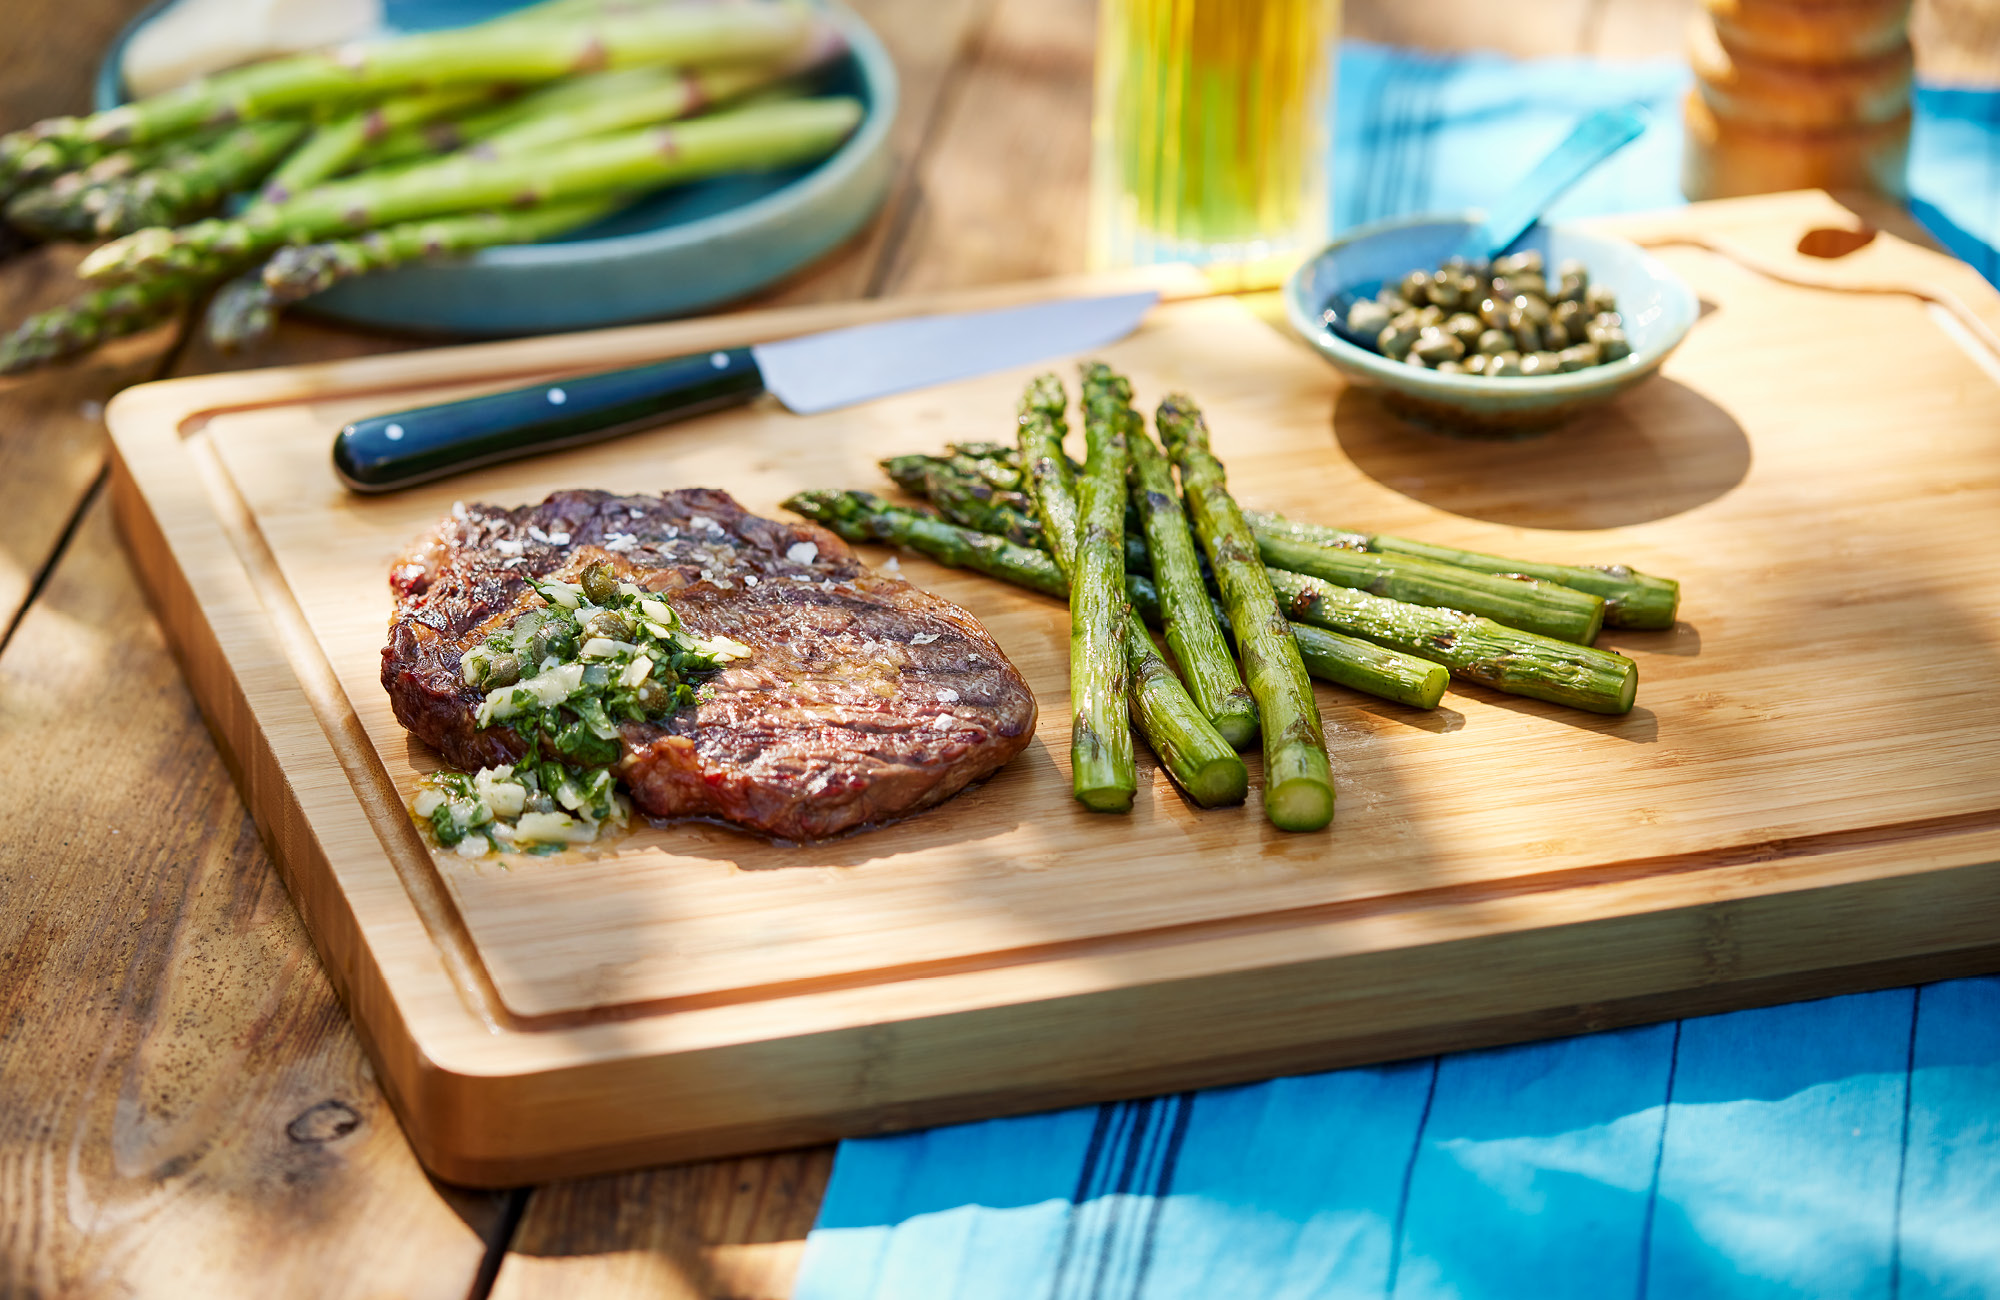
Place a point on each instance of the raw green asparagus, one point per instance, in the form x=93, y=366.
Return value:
x=1192, y=750
x=330, y=148
x=66, y=207
x=1473, y=648
x=764, y=136
x=500, y=51
x=1543, y=608
x=1329, y=656
x=1631, y=599
x=245, y=309
x=1100, y=739
x=94, y=318
x=1191, y=627
x=1298, y=777
x=187, y=182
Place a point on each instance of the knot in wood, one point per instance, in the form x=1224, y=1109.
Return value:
x=324, y=1122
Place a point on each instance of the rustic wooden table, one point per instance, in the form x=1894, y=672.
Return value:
x=183, y=1106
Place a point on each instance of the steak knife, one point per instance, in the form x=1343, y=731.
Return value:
x=813, y=373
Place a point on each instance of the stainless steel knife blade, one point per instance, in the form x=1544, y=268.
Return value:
x=821, y=372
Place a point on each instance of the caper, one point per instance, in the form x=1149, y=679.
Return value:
x=1494, y=342
x=1528, y=260
x=551, y=640
x=600, y=583
x=609, y=624
x=1366, y=319
x=1612, y=345
x=1494, y=312
x=1395, y=302
x=1555, y=338
x=1609, y=320
x=1449, y=368
x=1580, y=357
x=1527, y=333
x=505, y=670
x=1513, y=286
x=1416, y=288
x=1429, y=316
x=1507, y=363
x=1570, y=315
x=1600, y=298
x=1465, y=327
x=1395, y=339
x=1434, y=345
x=1541, y=363
x=1412, y=359
x=1573, y=280
x=1444, y=289
x=1534, y=305
x=1476, y=363
x=653, y=698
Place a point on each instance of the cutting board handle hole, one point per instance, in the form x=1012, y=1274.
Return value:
x=1830, y=242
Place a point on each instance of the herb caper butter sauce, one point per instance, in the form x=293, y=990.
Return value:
x=563, y=677
x=1503, y=320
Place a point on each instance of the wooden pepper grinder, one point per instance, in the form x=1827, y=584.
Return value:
x=1798, y=94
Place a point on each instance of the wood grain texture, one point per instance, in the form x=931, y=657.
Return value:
x=728, y=1228
x=1010, y=908
x=183, y=1106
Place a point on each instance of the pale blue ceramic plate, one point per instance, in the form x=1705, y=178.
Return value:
x=1657, y=305
x=680, y=251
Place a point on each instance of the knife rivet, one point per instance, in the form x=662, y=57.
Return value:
x=720, y=360
x=394, y=433
x=557, y=397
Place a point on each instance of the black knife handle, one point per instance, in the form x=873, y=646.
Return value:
x=386, y=452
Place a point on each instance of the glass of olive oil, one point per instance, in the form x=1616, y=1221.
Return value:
x=1210, y=133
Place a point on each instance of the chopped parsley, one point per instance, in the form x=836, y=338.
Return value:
x=599, y=652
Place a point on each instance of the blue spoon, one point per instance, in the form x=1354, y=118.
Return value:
x=1595, y=138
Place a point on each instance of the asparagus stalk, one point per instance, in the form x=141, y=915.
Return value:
x=190, y=180
x=1193, y=752
x=1631, y=598
x=1540, y=607
x=637, y=97
x=966, y=498
x=66, y=207
x=246, y=308
x=1329, y=656
x=1473, y=648
x=1100, y=739
x=500, y=51
x=1191, y=626
x=1298, y=777
x=332, y=147
x=96, y=317
x=764, y=136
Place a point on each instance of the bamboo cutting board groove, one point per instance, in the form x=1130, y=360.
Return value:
x=1806, y=800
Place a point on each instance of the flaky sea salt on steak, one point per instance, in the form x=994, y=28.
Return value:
x=862, y=699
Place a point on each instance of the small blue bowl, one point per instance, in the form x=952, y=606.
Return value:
x=676, y=252
x=1657, y=305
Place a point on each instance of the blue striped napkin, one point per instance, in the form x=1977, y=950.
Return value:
x=1841, y=1148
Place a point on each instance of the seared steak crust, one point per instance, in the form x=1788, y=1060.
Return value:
x=863, y=698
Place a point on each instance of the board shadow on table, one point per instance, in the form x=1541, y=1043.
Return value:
x=1660, y=450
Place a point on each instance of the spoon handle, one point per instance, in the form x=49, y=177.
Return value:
x=1595, y=138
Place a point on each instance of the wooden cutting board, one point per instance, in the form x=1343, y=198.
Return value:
x=1806, y=799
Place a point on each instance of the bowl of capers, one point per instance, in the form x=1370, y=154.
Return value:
x=1563, y=320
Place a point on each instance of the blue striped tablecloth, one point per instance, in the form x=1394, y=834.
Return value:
x=1841, y=1148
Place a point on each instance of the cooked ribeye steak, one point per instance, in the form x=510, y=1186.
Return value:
x=863, y=699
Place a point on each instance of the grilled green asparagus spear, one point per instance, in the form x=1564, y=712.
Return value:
x=330, y=148
x=1191, y=626
x=96, y=317
x=1631, y=598
x=968, y=499
x=245, y=309
x=1190, y=748
x=500, y=51
x=1298, y=777
x=764, y=136
x=1473, y=648
x=1543, y=608
x=1100, y=746
x=1330, y=656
